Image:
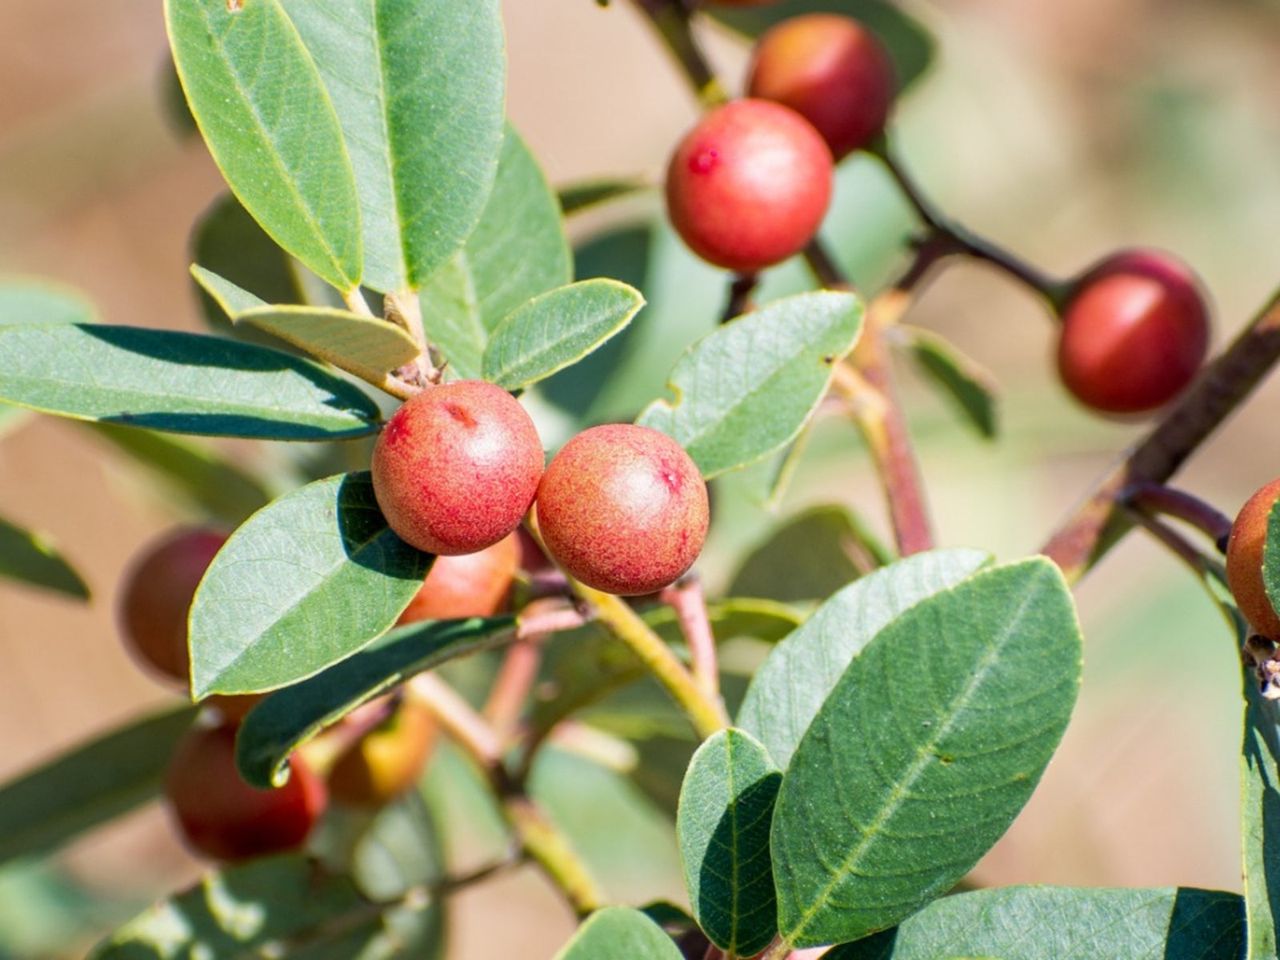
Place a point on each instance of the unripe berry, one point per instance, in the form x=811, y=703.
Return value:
x=1244, y=561
x=224, y=818
x=469, y=585
x=832, y=71
x=455, y=469
x=749, y=185
x=156, y=599
x=623, y=509
x=1135, y=330
x=387, y=761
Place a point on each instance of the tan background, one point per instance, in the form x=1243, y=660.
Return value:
x=1060, y=128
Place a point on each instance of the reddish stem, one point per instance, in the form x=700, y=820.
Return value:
x=1155, y=499
x=687, y=599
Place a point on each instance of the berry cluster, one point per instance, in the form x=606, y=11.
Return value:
x=749, y=187
x=621, y=508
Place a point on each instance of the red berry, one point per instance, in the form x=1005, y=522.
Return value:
x=156, y=599
x=224, y=818
x=623, y=509
x=749, y=185
x=456, y=468
x=387, y=761
x=832, y=71
x=1244, y=561
x=1135, y=330
x=469, y=585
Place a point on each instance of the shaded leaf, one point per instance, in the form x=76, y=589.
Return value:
x=89, y=785
x=910, y=44
x=792, y=684
x=365, y=346
x=811, y=555
x=1061, y=923
x=924, y=752
x=748, y=388
x=271, y=128
x=971, y=389
x=1260, y=820
x=517, y=251
x=28, y=300
x=726, y=807
x=419, y=91
x=557, y=329
x=289, y=717
x=619, y=933
x=29, y=558
x=306, y=582
x=208, y=481
x=576, y=197
x=179, y=382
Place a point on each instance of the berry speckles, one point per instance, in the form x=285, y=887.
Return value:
x=703, y=161
x=456, y=468
x=623, y=509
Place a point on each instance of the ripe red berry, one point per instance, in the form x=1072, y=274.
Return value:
x=749, y=185
x=224, y=818
x=623, y=509
x=456, y=468
x=1244, y=561
x=156, y=599
x=387, y=761
x=1135, y=330
x=469, y=585
x=832, y=71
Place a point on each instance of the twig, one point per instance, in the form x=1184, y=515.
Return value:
x=519, y=669
x=1095, y=526
x=687, y=599
x=458, y=719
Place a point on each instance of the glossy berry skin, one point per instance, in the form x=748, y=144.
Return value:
x=456, y=468
x=623, y=509
x=1244, y=561
x=832, y=71
x=156, y=598
x=387, y=761
x=749, y=185
x=222, y=817
x=1135, y=330
x=469, y=585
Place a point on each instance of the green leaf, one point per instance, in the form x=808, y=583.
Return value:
x=517, y=251
x=726, y=807
x=970, y=388
x=214, y=485
x=619, y=933
x=306, y=582
x=256, y=910
x=290, y=717
x=1271, y=557
x=557, y=329
x=1060, y=923
x=29, y=558
x=419, y=90
x=179, y=382
x=1260, y=820
x=794, y=681
x=25, y=301
x=89, y=785
x=364, y=346
x=811, y=555
x=909, y=43
x=576, y=197
x=262, y=108
x=748, y=388
x=925, y=751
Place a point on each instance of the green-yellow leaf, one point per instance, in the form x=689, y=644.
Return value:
x=619, y=933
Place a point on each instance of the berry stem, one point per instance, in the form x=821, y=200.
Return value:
x=539, y=838
x=959, y=239
x=706, y=713
x=519, y=669
x=740, y=296
x=687, y=598
x=671, y=20
x=1155, y=499
x=1096, y=525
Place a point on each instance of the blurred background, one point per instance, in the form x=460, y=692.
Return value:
x=1060, y=129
